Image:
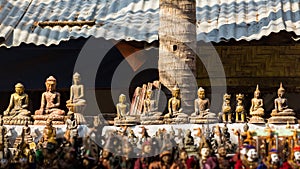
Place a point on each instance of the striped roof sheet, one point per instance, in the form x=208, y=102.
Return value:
x=138, y=20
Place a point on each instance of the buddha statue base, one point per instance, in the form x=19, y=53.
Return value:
x=202, y=120
x=152, y=118
x=282, y=120
x=56, y=119
x=256, y=120
x=127, y=121
x=16, y=120
x=179, y=118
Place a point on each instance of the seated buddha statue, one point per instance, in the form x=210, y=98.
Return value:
x=76, y=103
x=16, y=112
x=256, y=108
x=174, y=103
x=281, y=105
x=202, y=105
x=49, y=132
x=148, y=103
x=50, y=103
x=122, y=107
x=50, y=99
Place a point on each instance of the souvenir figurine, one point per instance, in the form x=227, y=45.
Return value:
x=184, y=161
x=206, y=160
x=223, y=160
x=150, y=114
x=282, y=113
x=146, y=158
x=50, y=103
x=240, y=114
x=175, y=115
x=123, y=117
x=202, y=113
x=188, y=141
x=49, y=132
x=165, y=161
x=251, y=162
x=295, y=162
x=272, y=161
x=76, y=103
x=256, y=109
x=17, y=113
x=71, y=133
x=226, y=109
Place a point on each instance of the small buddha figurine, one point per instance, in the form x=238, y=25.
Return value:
x=50, y=99
x=122, y=107
x=256, y=109
x=174, y=103
x=188, y=139
x=16, y=112
x=147, y=103
x=240, y=110
x=281, y=105
x=71, y=129
x=49, y=132
x=226, y=109
x=202, y=105
x=76, y=103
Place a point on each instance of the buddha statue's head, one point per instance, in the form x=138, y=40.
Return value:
x=280, y=91
x=201, y=93
x=19, y=88
x=175, y=91
x=76, y=78
x=122, y=98
x=256, y=92
x=50, y=84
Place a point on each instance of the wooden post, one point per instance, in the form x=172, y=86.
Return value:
x=177, y=43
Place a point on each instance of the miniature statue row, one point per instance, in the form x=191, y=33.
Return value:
x=18, y=114
x=202, y=114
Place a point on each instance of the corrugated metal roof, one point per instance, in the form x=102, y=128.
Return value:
x=114, y=19
x=138, y=20
x=245, y=19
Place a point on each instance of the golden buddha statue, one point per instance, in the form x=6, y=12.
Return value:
x=281, y=106
x=16, y=112
x=49, y=132
x=147, y=103
x=174, y=103
x=282, y=113
x=256, y=109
